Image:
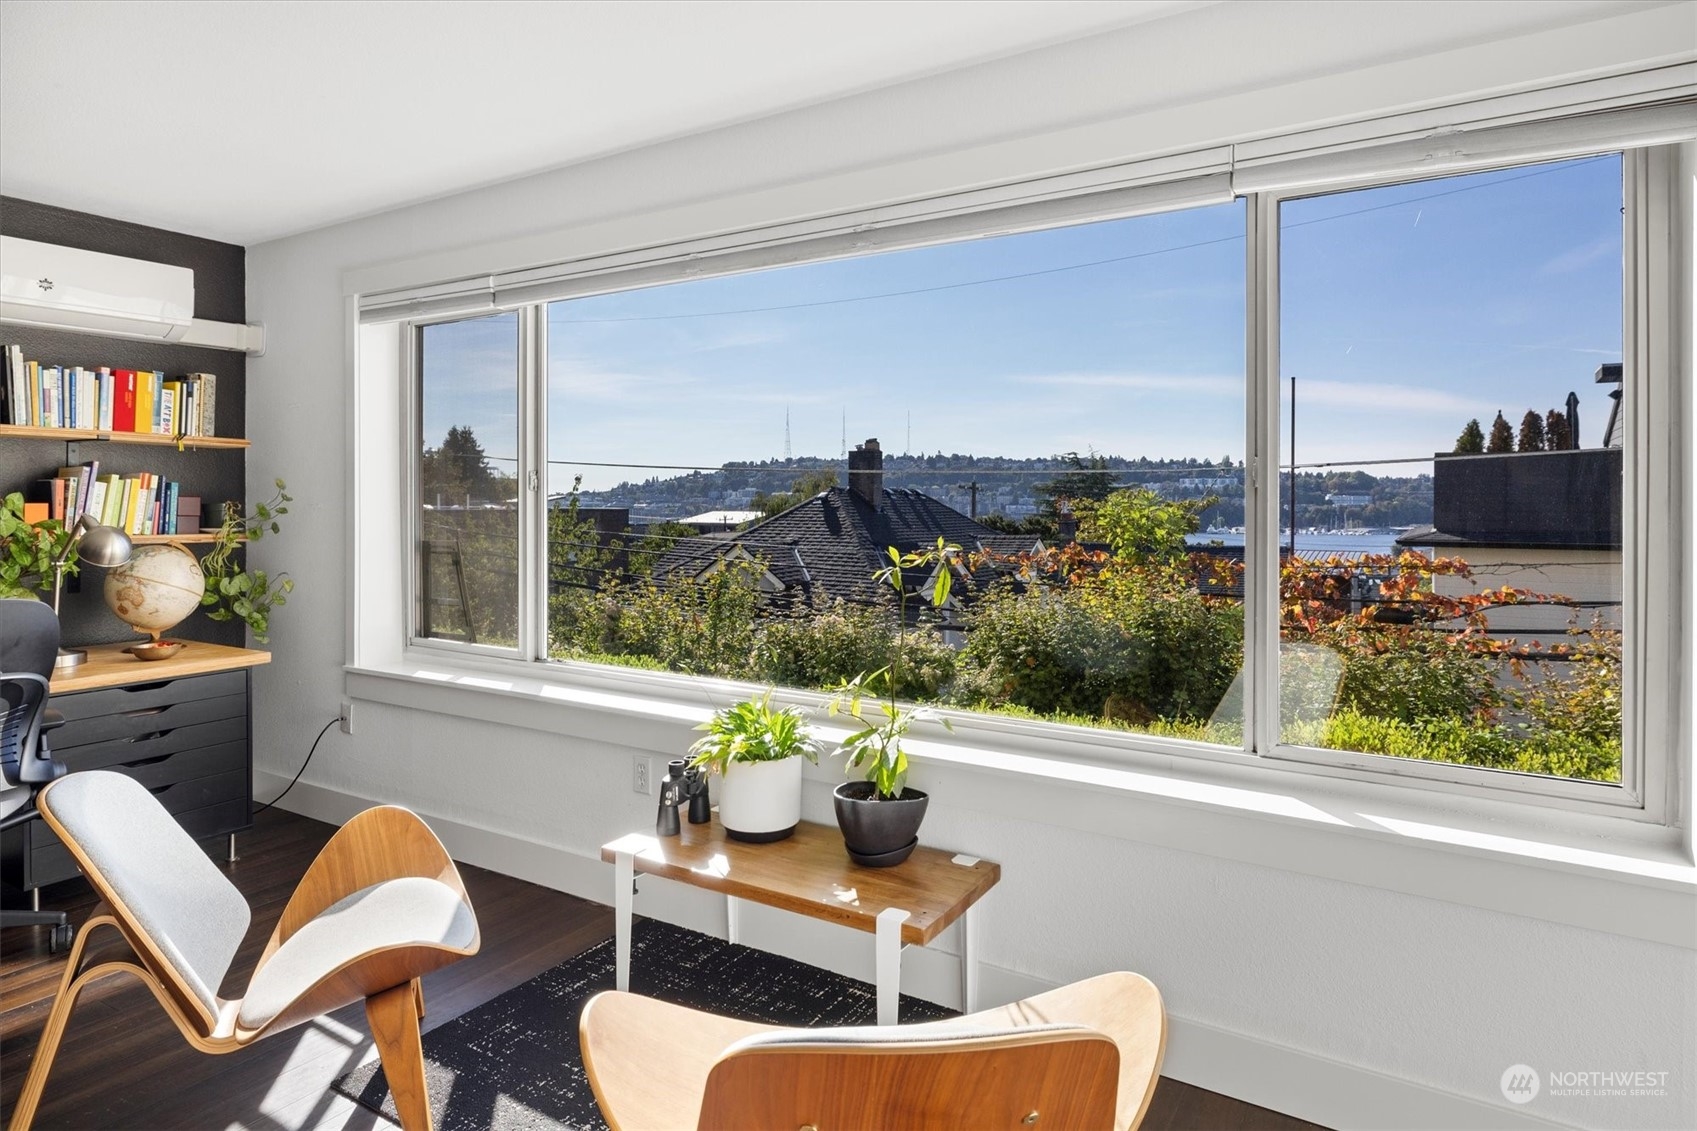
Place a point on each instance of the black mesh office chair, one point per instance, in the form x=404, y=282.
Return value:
x=29, y=642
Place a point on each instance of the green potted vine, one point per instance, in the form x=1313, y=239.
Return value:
x=233, y=591
x=757, y=753
x=880, y=815
x=27, y=550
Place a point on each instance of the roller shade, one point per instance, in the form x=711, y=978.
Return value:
x=1454, y=151
x=1567, y=120
x=1161, y=185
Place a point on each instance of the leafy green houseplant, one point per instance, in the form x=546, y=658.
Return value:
x=757, y=753
x=234, y=591
x=880, y=816
x=27, y=550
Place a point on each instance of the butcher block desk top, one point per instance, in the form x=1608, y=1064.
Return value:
x=108, y=665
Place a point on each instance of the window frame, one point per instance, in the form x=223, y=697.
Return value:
x=1642, y=386
x=1652, y=770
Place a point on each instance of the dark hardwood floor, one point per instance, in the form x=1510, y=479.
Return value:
x=124, y=1065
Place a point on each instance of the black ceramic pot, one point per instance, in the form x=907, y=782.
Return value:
x=878, y=834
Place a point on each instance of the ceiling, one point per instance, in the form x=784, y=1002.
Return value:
x=246, y=121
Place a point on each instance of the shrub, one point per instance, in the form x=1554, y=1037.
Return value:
x=1133, y=643
x=823, y=649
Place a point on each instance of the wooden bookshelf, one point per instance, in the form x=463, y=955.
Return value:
x=204, y=538
x=72, y=435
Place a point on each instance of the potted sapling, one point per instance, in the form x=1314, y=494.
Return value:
x=880, y=815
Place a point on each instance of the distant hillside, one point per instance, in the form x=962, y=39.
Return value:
x=1008, y=486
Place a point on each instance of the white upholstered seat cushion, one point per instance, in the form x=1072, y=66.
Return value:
x=412, y=910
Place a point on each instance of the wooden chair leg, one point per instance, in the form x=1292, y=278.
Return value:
x=418, y=996
x=393, y=1015
x=41, y=1063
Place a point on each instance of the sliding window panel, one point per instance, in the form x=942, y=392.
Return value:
x=732, y=458
x=468, y=498
x=1450, y=484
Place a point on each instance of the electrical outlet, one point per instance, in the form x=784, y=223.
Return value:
x=639, y=775
x=347, y=716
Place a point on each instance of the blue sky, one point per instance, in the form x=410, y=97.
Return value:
x=1406, y=310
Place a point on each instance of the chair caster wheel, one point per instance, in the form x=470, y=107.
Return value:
x=60, y=938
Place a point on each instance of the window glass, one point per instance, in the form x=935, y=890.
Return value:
x=1451, y=470
x=468, y=552
x=731, y=459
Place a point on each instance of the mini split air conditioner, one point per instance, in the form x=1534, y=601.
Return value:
x=65, y=288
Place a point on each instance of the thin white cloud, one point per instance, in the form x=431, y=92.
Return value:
x=1384, y=397
x=1582, y=256
x=616, y=385
x=1150, y=382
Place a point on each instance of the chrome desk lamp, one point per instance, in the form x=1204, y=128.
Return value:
x=95, y=544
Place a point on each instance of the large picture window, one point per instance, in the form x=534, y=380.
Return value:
x=1452, y=524
x=1347, y=480
x=731, y=460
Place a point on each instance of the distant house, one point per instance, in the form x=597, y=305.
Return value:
x=828, y=548
x=717, y=522
x=1545, y=521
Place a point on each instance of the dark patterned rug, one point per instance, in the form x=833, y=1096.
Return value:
x=512, y=1064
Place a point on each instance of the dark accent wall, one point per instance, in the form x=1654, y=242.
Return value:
x=220, y=294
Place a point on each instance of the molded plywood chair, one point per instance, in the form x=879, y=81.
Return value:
x=381, y=906
x=1081, y=1057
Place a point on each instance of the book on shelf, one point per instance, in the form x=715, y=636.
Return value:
x=38, y=395
x=139, y=504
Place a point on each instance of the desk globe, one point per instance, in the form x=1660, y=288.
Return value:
x=156, y=589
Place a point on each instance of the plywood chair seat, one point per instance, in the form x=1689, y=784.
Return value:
x=1085, y=1055
x=380, y=907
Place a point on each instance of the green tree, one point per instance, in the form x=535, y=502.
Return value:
x=1502, y=436
x=1557, y=436
x=1082, y=479
x=1531, y=433
x=460, y=471
x=804, y=488
x=1472, y=438
x=1138, y=523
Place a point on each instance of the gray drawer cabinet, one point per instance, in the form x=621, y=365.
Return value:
x=187, y=739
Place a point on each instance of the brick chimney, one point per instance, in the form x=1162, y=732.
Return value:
x=1066, y=524
x=866, y=473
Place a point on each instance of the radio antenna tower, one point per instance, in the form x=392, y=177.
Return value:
x=844, y=453
x=786, y=433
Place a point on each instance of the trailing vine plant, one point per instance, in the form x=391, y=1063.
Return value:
x=233, y=591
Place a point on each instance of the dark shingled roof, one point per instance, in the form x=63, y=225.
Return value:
x=829, y=546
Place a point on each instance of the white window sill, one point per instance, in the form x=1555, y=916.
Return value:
x=1608, y=874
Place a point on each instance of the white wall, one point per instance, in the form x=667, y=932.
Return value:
x=1329, y=999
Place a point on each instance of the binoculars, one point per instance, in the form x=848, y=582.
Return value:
x=682, y=784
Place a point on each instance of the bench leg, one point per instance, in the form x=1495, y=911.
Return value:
x=733, y=921
x=887, y=962
x=969, y=960
x=624, y=877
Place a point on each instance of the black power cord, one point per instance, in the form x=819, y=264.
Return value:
x=302, y=770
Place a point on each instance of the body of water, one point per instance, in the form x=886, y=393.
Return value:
x=1329, y=542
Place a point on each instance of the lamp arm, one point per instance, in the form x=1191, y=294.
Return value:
x=81, y=526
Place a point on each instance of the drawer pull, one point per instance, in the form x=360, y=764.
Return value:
x=151, y=735
x=143, y=712
x=154, y=686
x=148, y=762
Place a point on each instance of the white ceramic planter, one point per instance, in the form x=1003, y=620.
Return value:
x=760, y=801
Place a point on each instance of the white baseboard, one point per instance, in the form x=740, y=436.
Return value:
x=1315, y=1088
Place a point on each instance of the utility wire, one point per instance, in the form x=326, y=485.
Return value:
x=1071, y=266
